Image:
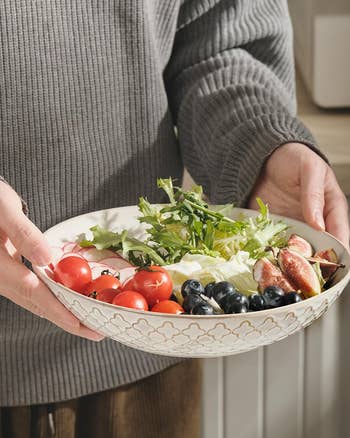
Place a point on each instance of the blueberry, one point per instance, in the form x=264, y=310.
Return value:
x=256, y=302
x=236, y=303
x=292, y=297
x=274, y=297
x=173, y=297
x=208, y=290
x=203, y=309
x=192, y=287
x=190, y=301
x=221, y=289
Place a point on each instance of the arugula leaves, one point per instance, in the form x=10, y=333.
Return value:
x=188, y=226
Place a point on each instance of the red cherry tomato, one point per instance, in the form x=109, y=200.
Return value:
x=128, y=284
x=154, y=283
x=105, y=295
x=105, y=281
x=132, y=299
x=73, y=272
x=168, y=306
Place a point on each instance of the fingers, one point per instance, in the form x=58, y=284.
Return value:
x=25, y=289
x=312, y=191
x=24, y=235
x=336, y=210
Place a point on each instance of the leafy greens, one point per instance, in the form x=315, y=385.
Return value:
x=187, y=225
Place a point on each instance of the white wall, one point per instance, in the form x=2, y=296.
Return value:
x=296, y=388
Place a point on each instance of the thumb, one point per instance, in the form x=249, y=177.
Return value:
x=24, y=235
x=312, y=190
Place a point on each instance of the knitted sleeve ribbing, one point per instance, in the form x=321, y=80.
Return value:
x=230, y=84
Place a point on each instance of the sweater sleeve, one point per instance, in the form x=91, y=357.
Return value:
x=230, y=84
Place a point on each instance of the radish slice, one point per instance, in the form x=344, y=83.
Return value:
x=71, y=254
x=68, y=246
x=77, y=248
x=96, y=255
x=126, y=273
x=117, y=263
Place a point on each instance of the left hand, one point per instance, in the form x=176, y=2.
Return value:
x=297, y=183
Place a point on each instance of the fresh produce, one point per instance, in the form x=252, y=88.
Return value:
x=274, y=297
x=267, y=273
x=196, y=259
x=292, y=298
x=208, y=290
x=131, y=299
x=73, y=272
x=105, y=295
x=168, y=306
x=236, y=303
x=191, y=287
x=300, y=245
x=203, y=309
x=190, y=301
x=256, y=302
x=188, y=226
x=104, y=281
x=221, y=290
x=299, y=271
x=153, y=282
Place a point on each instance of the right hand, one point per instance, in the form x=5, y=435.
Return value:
x=19, y=236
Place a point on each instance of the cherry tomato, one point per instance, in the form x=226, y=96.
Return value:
x=128, y=284
x=105, y=295
x=73, y=272
x=168, y=306
x=154, y=283
x=132, y=299
x=105, y=281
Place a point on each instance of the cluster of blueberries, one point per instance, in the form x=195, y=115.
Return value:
x=230, y=300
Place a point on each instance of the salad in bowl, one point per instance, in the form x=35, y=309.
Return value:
x=194, y=280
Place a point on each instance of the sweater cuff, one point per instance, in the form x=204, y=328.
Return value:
x=25, y=208
x=255, y=140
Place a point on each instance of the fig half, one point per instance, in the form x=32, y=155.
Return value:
x=266, y=274
x=299, y=271
x=328, y=261
x=300, y=245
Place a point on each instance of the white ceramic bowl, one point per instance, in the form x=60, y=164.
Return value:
x=190, y=335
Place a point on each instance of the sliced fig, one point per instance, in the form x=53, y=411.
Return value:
x=299, y=271
x=327, y=254
x=267, y=274
x=300, y=245
x=328, y=261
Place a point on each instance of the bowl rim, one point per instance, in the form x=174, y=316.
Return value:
x=345, y=279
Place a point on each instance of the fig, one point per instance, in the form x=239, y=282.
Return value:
x=327, y=254
x=299, y=271
x=300, y=245
x=267, y=274
x=328, y=261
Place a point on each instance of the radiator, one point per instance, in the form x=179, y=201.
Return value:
x=296, y=388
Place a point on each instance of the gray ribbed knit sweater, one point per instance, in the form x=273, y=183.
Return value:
x=90, y=93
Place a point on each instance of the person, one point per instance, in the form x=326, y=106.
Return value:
x=90, y=94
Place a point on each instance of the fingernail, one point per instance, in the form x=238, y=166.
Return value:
x=97, y=337
x=318, y=218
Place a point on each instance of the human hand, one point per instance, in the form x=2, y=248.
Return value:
x=298, y=183
x=19, y=236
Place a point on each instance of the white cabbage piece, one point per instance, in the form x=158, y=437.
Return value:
x=238, y=270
